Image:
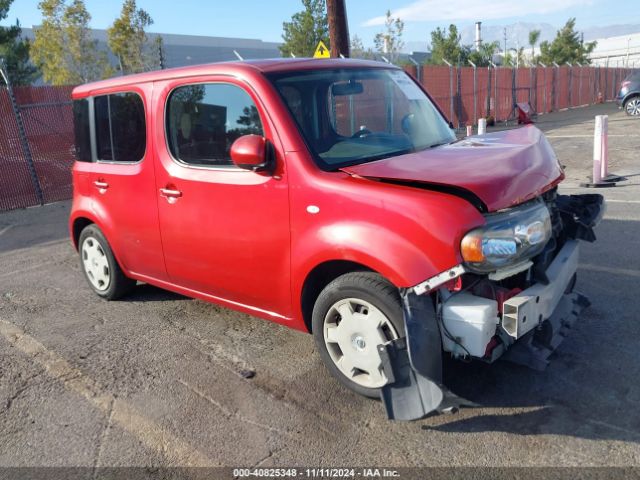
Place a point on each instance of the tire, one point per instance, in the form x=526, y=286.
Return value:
x=100, y=267
x=632, y=106
x=353, y=315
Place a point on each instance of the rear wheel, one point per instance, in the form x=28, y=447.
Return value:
x=632, y=106
x=100, y=267
x=352, y=316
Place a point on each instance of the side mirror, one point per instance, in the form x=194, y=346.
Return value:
x=250, y=152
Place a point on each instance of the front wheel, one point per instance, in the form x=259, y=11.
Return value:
x=632, y=106
x=352, y=316
x=100, y=266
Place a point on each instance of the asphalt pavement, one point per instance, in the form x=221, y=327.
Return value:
x=157, y=379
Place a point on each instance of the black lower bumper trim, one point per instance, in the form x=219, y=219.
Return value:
x=413, y=366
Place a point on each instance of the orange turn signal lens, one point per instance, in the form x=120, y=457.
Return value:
x=471, y=248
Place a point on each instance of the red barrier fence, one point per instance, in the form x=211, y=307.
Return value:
x=466, y=94
x=36, y=133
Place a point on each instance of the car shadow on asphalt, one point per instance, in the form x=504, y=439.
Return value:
x=148, y=293
x=590, y=388
x=550, y=404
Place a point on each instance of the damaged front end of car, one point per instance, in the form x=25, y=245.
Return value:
x=512, y=297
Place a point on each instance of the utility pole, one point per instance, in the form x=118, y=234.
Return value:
x=160, y=53
x=338, y=28
x=504, y=54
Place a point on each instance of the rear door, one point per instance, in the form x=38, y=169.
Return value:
x=225, y=231
x=122, y=181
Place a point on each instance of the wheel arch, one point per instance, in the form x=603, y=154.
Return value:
x=319, y=277
x=629, y=96
x=79, y=224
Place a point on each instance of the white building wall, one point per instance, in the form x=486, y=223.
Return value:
x=622, y=51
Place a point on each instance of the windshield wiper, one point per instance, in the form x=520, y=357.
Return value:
x=439, y=144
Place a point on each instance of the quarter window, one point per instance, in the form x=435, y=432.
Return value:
x=120, y=127
x=81, y=130
x=204, y=120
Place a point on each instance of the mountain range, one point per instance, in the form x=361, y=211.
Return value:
x=518, y=34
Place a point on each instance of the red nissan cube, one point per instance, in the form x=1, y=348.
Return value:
x=333, y=197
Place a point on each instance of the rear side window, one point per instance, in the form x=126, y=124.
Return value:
x=204, y=120
x=120, y=127
x=81, y=129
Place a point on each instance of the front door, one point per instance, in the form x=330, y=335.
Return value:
x=225, y=231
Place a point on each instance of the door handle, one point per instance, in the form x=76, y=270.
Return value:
x=168, y=192
x=102, y=185
x=171, y=194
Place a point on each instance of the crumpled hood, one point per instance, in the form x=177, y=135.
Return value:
x=502, y=169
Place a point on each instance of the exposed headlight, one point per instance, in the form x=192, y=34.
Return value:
x=507, y=238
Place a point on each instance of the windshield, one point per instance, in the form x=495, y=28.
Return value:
x=353, y=116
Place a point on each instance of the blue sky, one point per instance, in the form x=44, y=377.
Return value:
x=263, y=19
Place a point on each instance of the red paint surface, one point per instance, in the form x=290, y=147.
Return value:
x=248, y=240
x=502, y=168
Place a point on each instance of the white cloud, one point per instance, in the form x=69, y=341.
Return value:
x=477, y=10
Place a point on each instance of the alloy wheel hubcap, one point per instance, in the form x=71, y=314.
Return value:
x=353, y=329
x=95, y=264
x=633, y=107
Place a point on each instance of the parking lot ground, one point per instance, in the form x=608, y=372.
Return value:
x=157, y=379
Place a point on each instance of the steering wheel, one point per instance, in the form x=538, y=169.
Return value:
x=363, y=132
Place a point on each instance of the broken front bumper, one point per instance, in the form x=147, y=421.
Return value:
x=532, y=325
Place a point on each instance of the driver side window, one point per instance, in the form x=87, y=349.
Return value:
x=204, y=120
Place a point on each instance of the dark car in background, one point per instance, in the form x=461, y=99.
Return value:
x=629, y=95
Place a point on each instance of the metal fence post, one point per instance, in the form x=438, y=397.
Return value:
x=554, y=87
x=495, y=98
x=488, y=102
x=514, y=98
x=450, y=91
x=459, y=94
x=580, y=86
x=475, y=92
x=570, y=88
x=544, y=86
x=24, y=142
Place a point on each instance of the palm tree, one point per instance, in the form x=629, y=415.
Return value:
x=534, y=36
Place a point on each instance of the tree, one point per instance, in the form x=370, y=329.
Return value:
x=566, y=47
x=446, y=46
x=15, y=51
x=305, y=30
x=63, y=48
x=358, y=50
x=514, y=58
x=389, y=42
x=483, y=57
x=534, y=36
x=128, y=39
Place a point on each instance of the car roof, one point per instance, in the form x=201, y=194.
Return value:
x=275, y=65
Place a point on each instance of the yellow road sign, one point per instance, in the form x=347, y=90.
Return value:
x=321, y=51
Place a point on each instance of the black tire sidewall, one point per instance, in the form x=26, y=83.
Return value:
x=352, y=285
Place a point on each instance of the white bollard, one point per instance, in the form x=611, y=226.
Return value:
x=469, y=130
x=601, y=177
x=482, y=126
x=597, y=151
x=604, y=157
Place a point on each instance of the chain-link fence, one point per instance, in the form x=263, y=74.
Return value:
x=36, y=145
x=36, y=132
